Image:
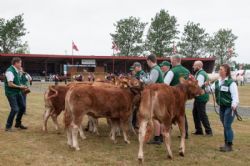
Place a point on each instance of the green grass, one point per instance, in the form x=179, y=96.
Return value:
x=33, y=147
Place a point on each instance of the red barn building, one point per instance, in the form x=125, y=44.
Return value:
x=45, y=64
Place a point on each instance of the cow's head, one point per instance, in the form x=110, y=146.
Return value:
x=129, y=82
x=191, y=87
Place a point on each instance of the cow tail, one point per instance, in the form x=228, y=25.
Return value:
x=53, y=90
x=150, y=126
x=68, y=118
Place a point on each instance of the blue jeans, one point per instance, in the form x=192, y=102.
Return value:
x=227, y=120
x=17, y=106
x=24, y=100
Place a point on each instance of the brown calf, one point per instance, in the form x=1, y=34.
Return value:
x=165, y=104
x=113, y=103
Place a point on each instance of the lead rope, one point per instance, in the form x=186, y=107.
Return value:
x=239, y=118
x=213, y=100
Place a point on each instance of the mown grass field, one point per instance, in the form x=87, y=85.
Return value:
x=33, y=147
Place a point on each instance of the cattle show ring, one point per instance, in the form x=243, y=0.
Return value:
x=124, y=83
x=105, y=134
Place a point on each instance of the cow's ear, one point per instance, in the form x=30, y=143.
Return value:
x=182, y=80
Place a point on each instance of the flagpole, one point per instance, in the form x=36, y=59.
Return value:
x=72, y=52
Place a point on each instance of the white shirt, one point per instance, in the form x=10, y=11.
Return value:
x=10, y=76
x=232, y=88
x=28, y=77
x=200, y=79
x=169, y=77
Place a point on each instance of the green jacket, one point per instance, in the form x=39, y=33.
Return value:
x=160, y=77
x=12, y=91
x=204, y=97
x=223, y=94
x=139, y=74
x=179, y=71
x=24, y=80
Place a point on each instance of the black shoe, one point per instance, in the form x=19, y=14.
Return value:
x=197, y=133
x=209, y=134
x=155, y=141
x=8, y=130
x=21, y=126
x=226, y=148
x=161, y=138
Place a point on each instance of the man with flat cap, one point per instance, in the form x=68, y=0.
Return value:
x=165, y=67
x=139, y=73
x=136, y=71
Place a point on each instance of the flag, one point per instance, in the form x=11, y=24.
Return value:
x=74, y=47
x=115, y=48
x=174, y=49
x=230, y=52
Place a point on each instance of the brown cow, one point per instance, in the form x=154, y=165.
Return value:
x=167, y=105
x=113, y=103
x=54, y=99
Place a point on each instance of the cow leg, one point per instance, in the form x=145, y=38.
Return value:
x=82, y=135
x=124, y=126
x=167, y=139
x=45, y=118
x=69, y=136
x=95, y=124
x=54, y=118
x=142, y=133
x=181, y=124
x=131, y=125
x=75, y=130
x=113, y=130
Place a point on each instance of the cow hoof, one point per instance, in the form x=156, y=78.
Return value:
x=77, y=148
x=115, y=141
x=44, y=130
x=140, y=160
x=181, y=154
x=70, y=146
x=127, y=142
x=170, y=157
x=83, y=138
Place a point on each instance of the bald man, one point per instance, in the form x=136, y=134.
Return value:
x=199, y=108
x=173, y=77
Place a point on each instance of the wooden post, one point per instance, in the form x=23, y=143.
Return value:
x=113, y=65
x=125, y=66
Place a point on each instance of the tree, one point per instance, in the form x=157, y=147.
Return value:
x=128, y=36
x=11, y=33
x=224, y=45
x=161, y=33
x=193, y=40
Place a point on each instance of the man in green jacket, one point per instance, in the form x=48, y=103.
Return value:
x=13, y=92
x=199, y=108
x=174, y=75
x=155, y=76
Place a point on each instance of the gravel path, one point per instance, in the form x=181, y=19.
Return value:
x=243, y=111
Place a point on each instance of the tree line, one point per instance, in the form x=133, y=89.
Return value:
x=163, y=38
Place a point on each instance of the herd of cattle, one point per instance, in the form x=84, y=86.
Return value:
x=116, y=100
